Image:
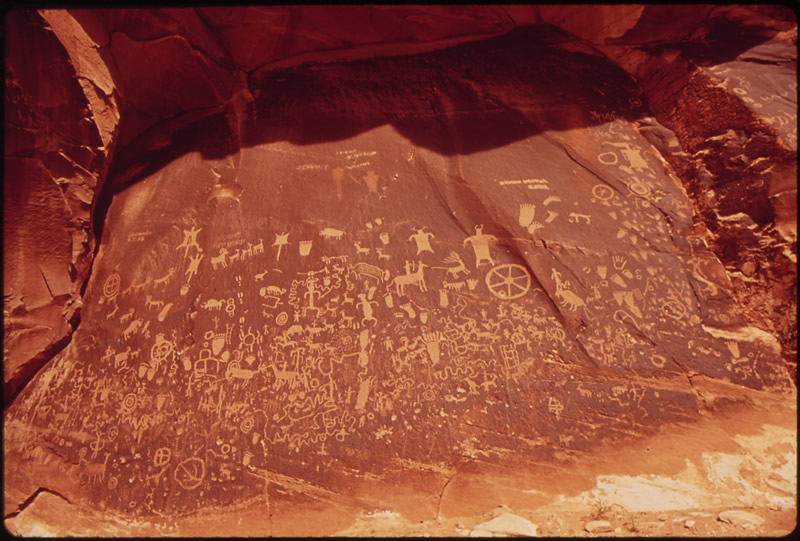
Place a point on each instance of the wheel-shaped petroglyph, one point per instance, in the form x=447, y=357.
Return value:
x=508, y=281
x=111, y=286
x=162, y=457
x=190, y=473
x=602, y=192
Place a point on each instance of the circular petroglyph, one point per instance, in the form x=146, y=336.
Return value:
x=111, y=286
x=607, y=158
x=673, y=309
x=638, y=188
x=129, y=403
x=247, y=424
x=602, y=192
x=162, y=457
x=161, y=350
x=508, y=281
x=190, y=473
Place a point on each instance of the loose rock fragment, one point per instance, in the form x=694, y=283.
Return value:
x=742, y=519
x=598, y=526
x=507, y=524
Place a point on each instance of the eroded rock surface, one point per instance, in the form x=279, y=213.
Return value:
x=324, y=282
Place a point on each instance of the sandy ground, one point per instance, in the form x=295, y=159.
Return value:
x=675, y=483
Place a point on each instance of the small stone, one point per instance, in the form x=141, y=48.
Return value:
x=749, y=268
x=598, y=526
x=689, y=524
x=742, y=519
x=507, y=524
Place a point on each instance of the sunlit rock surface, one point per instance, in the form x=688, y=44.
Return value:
x=328, y=286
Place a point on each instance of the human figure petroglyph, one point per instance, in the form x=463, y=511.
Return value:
x=194, y=266
x=634, y=157
x=480, y=244
x=366, y=307
x=423, y=240
x=189, y=240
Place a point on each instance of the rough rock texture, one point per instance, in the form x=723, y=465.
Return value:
x=60, y=120
x=323, y=285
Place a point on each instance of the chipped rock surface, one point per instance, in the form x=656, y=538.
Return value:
x=409, y=280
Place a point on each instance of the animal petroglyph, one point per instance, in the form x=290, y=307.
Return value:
x=568, y=298
x=458, y=265
x=331, y=233
x=220, y=259
x=416, y=278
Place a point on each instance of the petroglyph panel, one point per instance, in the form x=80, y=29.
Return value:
x=363, y=299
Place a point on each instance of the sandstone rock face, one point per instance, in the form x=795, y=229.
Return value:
x=60, y=118
x=335, y=284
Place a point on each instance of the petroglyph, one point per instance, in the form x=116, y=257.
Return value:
x=480, y=244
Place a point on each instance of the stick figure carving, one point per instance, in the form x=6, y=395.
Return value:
x=190, y=240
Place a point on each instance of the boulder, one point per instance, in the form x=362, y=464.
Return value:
x=505, y=524
x=742, y=519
